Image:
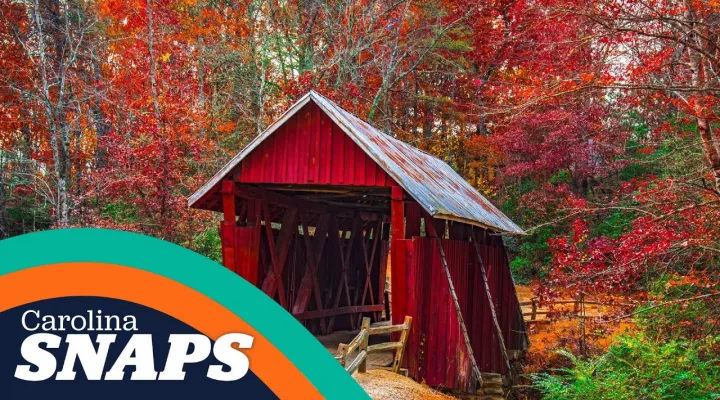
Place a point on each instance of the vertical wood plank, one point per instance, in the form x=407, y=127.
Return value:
x=247, y=239
x=397, y=255
x=326, y=153
x=359, y=166
x=268, y=155
x=293, y=149
x=318, y=138
x=306, y=137
x=338, y=156
x=370, y=171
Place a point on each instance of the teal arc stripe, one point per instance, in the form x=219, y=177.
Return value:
x=192, y=270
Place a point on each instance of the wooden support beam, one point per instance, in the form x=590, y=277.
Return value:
x=397, y=256
x=309, y=285
x=278, y=252
x=369, y=262
x=331, y=312
x=345, y=254
x=254, y=213
x=412, y=219
x=354, y=206
x=242, y=215
x=252, y=192
x=493, y=312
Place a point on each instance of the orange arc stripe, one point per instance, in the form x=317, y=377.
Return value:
x=162, y=294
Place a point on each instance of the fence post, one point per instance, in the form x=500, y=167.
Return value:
x=365, y=331
x=403, y=341
x=534, y=309
x=342, y=352
x=576, y=306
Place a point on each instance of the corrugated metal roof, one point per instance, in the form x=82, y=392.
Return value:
x=430, y=181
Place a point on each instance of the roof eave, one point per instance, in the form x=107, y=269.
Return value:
x=516, y=230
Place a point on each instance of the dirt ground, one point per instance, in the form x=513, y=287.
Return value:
x=385, y=385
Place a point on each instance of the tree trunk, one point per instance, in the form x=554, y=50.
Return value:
x=710, y=150
x=164, y=186
x=54, y=106
x=98, y=115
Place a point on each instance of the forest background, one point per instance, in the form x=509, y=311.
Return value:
x=593, y=124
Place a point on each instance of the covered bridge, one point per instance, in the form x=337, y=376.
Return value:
x=315, y=205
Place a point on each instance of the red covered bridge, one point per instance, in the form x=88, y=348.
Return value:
x=314, y=206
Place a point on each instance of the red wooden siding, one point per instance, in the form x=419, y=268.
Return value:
x=311, y=149
x=247, y=247
x=436, y=349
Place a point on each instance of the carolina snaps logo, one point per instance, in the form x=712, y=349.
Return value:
x=114, y=315
x=91, y=350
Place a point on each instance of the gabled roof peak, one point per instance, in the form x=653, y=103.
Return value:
x=429, y=180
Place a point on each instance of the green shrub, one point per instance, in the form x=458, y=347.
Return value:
x=522, y=270
x=679, y=318
x=632, y=171
x=639, y=368
x=532, y=255
x=563, y=176
x=617, y=223
x=208, y=244
x=119, y=211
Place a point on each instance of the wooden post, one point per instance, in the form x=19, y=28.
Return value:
x=342, y=352
x=227, y=227
x=493, y=312
x=397, y=256
x=365, y=327
x=403, y=341
x=461, y=321
x=534, y=309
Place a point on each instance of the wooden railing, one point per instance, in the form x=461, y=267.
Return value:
x=360, y=344
x=578, y=307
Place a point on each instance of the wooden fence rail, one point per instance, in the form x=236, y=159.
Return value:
x=360, y=344
x=579, y=303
